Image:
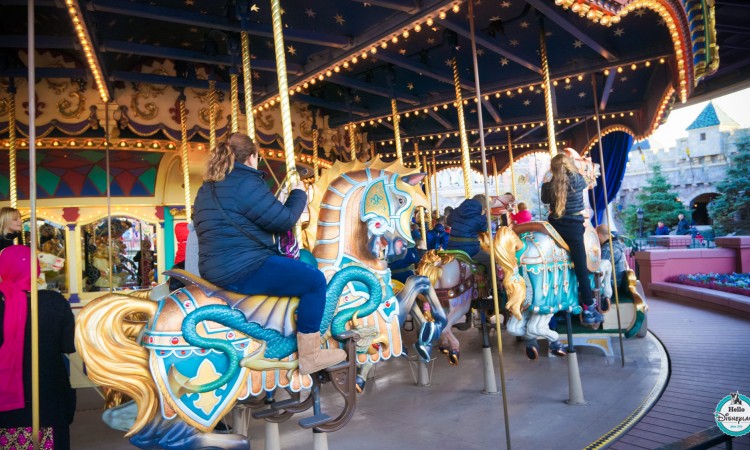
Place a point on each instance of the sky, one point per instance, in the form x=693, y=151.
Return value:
x=735, y=105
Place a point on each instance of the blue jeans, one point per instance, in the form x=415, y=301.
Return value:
x=287, y=277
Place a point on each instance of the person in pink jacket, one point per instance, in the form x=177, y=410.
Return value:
x=522, y=216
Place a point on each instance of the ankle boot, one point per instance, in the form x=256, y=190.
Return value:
x=312, y=358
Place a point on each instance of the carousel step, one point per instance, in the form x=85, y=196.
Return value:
x=315, y=421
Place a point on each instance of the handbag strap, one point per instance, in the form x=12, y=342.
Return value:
x=273, y=248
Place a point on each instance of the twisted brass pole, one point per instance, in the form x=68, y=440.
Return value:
x=286, y=115
x=212, y=114
x=547, y=88
x=316, y=164
x=397, y=130
x=465, y=156
x=12, y=150
x=235, y=97
x=512, y=165
x=352, y=141
x=247, y=78
x=185, y=165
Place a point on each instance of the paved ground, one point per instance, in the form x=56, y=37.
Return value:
x=452, y=413
x=709, y=356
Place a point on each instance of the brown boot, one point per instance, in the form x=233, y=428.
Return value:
x=312, y=358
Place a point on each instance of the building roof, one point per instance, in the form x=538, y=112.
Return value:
x=712, y=116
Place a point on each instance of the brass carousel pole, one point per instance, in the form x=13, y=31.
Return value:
x=422, y=225
x=286, y=115
x=429, y=181
x=235, y=98
x=248, y=84
x=397, y=130
x=316, y=164
x=494, y=175
x=547, y=88
x=512, y=165
x=12, y=145
x=609, y=219
x=185, y=164
x=32, y=206
x=490, y=386
x=434, y=181
x=212, y=114
x=109, y=197
x=465, y=156
x=353, y=141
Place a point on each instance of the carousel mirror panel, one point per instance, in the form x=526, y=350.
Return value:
x=51, y=253
x=132, y=245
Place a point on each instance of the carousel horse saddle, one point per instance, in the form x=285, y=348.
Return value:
x=466, y=279
x=276, y=313
x=544, y=228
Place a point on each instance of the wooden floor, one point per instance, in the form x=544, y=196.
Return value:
x=709, y=354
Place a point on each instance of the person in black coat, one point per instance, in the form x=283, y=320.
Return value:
x=10, y=226
x=563, y=191
x=57, y=400
x=466, y=222
x=237, y=217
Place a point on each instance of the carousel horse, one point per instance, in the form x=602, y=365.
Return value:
x=200, y=349
x=457, y=281
x=362, y=217
x=539, y=278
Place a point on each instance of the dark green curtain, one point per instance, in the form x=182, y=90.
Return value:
x=615, y=146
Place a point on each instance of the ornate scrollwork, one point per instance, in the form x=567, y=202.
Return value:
x=65, y=108
x=265, y=121
x=204, y=114
x=143, y=92
x=4, y=106
x=58, y=86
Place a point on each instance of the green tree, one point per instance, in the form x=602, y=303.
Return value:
x=730, y=211
x=659, y=203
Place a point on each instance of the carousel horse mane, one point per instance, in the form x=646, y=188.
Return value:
x=431, y=265
x=113, y=359
x=544, y=228
x=505, y=245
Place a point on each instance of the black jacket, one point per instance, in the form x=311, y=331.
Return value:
x=57, y=401
x=574, y=202
x=226, y=254
x=6, y=240
x=466, y=222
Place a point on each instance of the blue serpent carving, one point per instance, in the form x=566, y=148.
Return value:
x=278, y=345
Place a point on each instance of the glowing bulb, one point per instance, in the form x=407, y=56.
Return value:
x=456, y=8
x=442, y=15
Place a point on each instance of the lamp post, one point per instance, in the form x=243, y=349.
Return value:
x=639, y=215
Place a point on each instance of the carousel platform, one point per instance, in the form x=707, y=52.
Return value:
x=452, y=413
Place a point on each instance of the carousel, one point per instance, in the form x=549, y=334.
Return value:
x=109, y=111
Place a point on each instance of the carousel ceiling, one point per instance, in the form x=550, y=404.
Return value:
x=348, y=59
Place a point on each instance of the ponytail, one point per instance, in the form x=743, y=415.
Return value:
x=237, y=147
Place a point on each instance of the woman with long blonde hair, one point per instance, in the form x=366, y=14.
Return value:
x=236, y=217
x=564, y=193
x=10, y=226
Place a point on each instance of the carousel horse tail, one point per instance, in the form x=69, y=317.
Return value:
x=113, y=359
x=506, y=244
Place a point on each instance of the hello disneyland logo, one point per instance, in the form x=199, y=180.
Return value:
x=733, y=414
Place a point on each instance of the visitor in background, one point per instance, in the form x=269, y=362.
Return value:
x=620, y=265
x=683, y=227
x=563, y=191
x=522, y=216
x=661, y=229
x=403, y=268
x=10, y=226
x=236, y=217
x=57, y=401
x=446, y=214
x=466, y=222
x=181, y=233
x=437, y=238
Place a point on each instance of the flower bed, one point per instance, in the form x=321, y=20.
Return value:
x=736, y=283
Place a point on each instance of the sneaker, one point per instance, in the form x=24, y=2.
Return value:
x=531, y=352
x=557, y=349
x=591, y=316
x=605, y=304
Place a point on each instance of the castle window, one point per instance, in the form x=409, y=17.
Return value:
x=703, y=136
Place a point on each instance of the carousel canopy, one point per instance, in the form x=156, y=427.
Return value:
x=347, y=60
